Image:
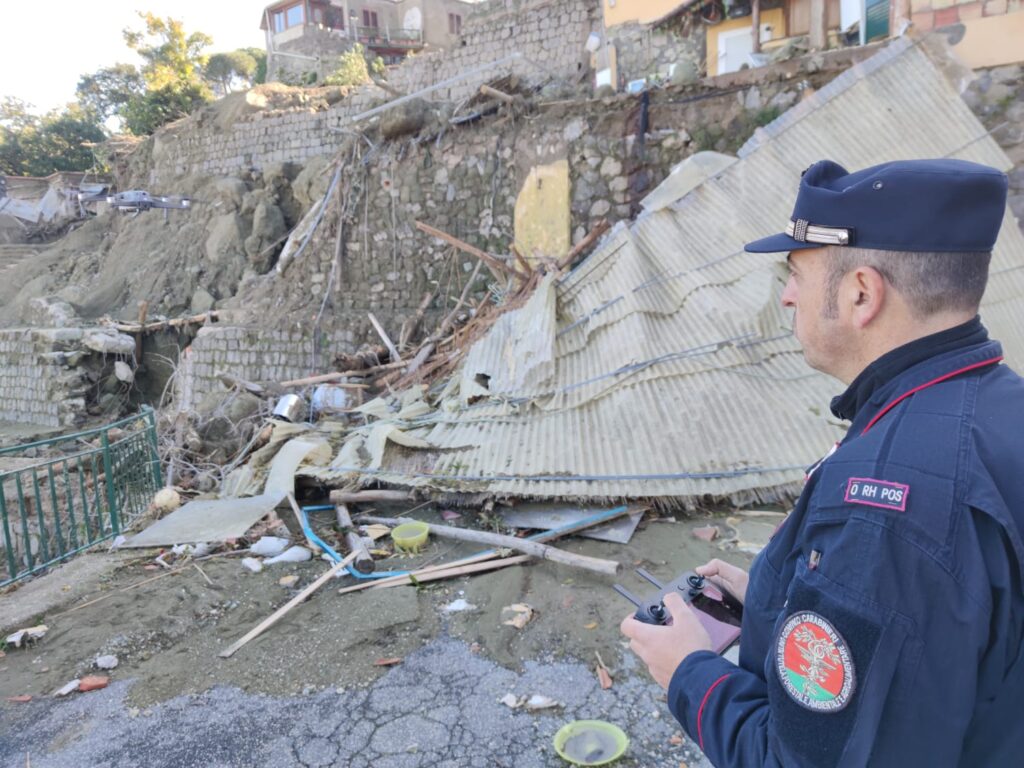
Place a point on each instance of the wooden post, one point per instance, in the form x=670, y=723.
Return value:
x=819, y=29
x=755, y=18
x=143, y=311
x=364, y=560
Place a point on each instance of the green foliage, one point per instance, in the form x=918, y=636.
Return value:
x=260, y=57
x=109, y=90
x=378, y=67
x=157, y=107
x=37, y=146
x=172, y=57
x=225, y=70
x=172, y=74
x=352, y=69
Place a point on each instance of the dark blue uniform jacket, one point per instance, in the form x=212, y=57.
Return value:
x=883, y=622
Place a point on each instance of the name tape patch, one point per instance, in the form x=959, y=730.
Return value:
x=877, y=493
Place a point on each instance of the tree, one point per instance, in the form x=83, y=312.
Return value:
x=260, y=57
x=225, y=70
x=172, y=58
x=37, y=146
x=155, y=108
x=172, y=68
x=352, y=68
x=109, y=90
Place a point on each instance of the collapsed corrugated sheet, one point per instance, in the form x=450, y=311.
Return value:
x=663, y=366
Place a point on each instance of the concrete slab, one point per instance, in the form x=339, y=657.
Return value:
x=548, y=516
x=208, y=520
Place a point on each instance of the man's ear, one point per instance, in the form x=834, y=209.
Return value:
x=866, y=293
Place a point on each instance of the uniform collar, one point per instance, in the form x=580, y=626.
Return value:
x=928, y=356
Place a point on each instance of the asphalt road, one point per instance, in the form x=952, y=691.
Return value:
x=440, y=707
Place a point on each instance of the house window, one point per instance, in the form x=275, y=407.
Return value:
x=370, y=19
x=454, y=24
x=288, y=17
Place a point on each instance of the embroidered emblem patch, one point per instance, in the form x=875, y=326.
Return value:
x=814, y=663
x=877, y=493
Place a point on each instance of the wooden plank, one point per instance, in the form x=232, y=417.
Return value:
x=384, y=337
x=462, y=245
x=609, y=567
x=277, y=615
x=599, y=229
x=437, y=573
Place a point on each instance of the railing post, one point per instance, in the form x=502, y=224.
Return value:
x=151, y=429
x=12, y=563
x=108, y=471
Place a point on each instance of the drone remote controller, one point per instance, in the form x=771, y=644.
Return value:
x=719, y=612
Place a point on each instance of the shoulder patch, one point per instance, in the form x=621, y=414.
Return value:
x=877, y=493
x=814, y=663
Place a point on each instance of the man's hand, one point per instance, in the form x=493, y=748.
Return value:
x=727, y=576
x=663, y=648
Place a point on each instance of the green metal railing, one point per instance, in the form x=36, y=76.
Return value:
x=85, y=489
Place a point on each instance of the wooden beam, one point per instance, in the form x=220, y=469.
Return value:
x=462, y=245
x=459, y=567
x=755, y=18
x=392, y=349
x=364, y=560
x=609, y=567
x=819, y=29
x=361, y=497
x=599, y=229
x=486, y=90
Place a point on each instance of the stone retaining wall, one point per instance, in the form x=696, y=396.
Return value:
x=252, y=354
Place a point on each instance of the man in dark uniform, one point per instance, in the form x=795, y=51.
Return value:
x=883, y=622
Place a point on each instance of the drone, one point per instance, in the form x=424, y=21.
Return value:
x=137, y=200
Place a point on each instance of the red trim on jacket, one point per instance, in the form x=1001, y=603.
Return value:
x=892, y=404
x=700, y=711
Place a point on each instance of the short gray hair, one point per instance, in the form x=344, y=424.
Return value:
x=930, y=282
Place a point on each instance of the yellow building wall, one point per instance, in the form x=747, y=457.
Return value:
x=775, y=16
x=992, y=41
x=643, y=11
x=542, y=219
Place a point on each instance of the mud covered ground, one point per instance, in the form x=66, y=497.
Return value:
x=167, y=634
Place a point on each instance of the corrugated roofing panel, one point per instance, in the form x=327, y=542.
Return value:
x=674, y=371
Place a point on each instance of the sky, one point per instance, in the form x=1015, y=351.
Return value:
x=47, y=46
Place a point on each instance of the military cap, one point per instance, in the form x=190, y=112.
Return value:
x=907, y=205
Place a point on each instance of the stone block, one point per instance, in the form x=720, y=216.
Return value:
x=995, y=7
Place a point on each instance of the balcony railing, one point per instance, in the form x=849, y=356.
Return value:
x=383, y=37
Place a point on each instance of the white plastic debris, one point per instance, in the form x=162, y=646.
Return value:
x=252, y=564
x=195, y=550
x=459, y=605
x=69, y=688
x=269, y=546
x=539, y=701
x=510, y=700
x=106, y=662
x=118, y=543
x=291, y=555
x=28, y=635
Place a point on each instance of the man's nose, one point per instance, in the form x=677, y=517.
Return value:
x=789, y=294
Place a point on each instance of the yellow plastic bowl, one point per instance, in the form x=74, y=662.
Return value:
x=409, y=537
x=590, y=742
